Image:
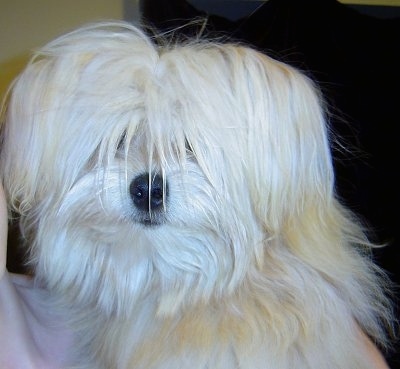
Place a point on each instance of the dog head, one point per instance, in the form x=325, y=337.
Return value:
x=139, y=165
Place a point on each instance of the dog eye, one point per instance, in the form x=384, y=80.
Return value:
x=189, y=148
x=121, y=142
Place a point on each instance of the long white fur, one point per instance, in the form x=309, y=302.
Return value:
x=256, y=264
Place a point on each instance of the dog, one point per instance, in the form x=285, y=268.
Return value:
x=178, y=202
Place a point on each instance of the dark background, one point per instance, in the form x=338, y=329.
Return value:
x=353, y=54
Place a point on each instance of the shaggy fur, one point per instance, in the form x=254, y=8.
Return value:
x=241, y=255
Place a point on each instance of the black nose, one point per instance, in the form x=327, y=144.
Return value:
x=146, y=196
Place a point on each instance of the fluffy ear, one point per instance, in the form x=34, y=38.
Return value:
x=31, y=160
x=288, y=156
x=21, y=151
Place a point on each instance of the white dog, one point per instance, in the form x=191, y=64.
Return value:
x=178, y=200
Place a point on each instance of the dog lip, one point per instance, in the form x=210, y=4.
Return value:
x=150, y=222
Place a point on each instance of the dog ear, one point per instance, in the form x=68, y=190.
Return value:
x=36, y=152
x=21, y=152
x=289, y=162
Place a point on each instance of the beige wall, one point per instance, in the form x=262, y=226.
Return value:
x=27, y=24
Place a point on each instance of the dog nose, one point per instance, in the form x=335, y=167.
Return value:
x=146, y=196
